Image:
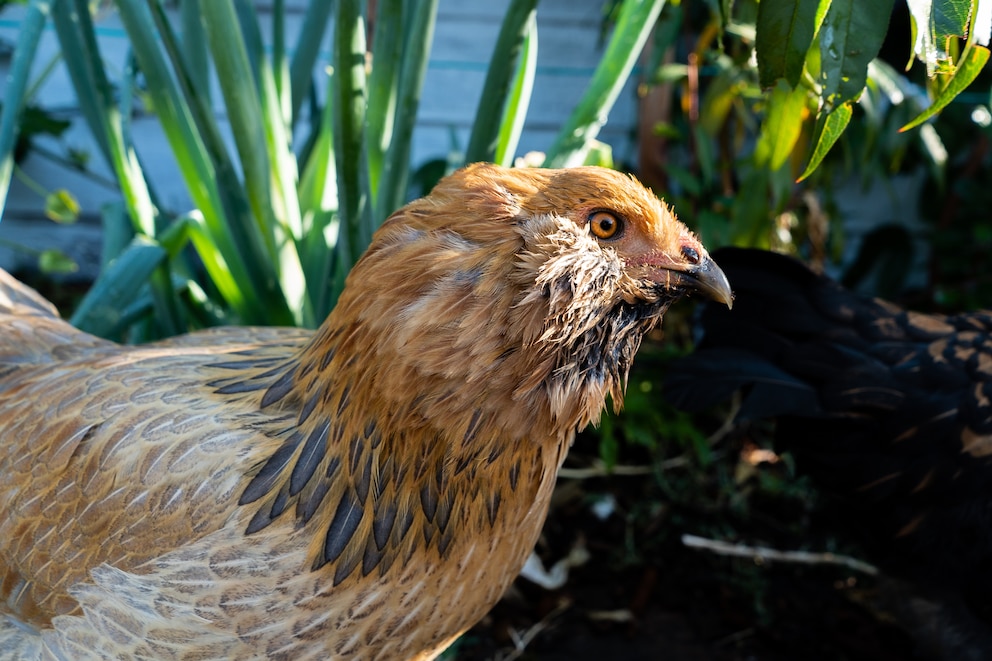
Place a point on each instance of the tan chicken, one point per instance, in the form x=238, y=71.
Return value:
x=367, y=491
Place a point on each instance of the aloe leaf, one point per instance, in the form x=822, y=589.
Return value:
x=225, y=252
x=14, y=95
x=515, y=113
x=634, y=25
x=348, y=101
x=383, y=87
x=307, y=49
x=396, y=167
x=194, y=46
x=117, y=287
x=518, y=22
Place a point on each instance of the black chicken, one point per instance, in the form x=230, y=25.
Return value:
x=888, y=411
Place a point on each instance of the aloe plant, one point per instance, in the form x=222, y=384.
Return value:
x=275, y=227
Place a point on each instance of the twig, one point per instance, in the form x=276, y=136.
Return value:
x=730, y=422
x=521, y=641
x=599, y=469
x=761, y=553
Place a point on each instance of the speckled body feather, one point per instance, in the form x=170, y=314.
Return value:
x=365, y=491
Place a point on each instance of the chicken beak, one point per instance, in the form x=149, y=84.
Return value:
x=708, y=279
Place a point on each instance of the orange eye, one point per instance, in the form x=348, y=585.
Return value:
x=604, y=225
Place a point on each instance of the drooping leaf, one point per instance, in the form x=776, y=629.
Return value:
x=828, y=128
x=850, y=38
x=784, y=32
x=782, y=125
x=934, y=22
x=967, y=70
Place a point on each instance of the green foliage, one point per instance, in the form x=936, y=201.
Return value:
x=277, y=224
x=739, y=148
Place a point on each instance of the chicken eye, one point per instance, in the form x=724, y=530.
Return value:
x=604, y=225
x=691, y=254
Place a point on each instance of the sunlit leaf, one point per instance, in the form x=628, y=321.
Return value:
x=967, y=70
x=828, y=129
x=782, y=125
x=936, y=21
x=850, y=38
x=784, y=32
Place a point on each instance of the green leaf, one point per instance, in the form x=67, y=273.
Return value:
x=829, y=127
x=968, y=68
x=348, y=106
x=518, y=22
x=56, y=262
x=634, y=25
x=515, y=112
x=416, y=52
x=850, y=38
x=784, y=32
x=306, y=50
x=383, y=86
x=117, y=287
x=936, y=21
x=951, y=18
x=782, y=125
x=61, y=206
x=28, y=36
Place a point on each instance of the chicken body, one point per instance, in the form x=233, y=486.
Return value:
x=887, y=410
x=365, y=491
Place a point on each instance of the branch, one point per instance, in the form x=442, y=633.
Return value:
x=760, y=553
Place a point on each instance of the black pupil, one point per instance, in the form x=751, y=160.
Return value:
x=690, y=254
x=605, y=224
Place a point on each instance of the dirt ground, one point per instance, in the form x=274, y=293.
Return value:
x=644, y=595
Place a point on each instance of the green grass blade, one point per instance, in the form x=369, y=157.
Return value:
x=14, y=95
x=517, y=24
x=634, y=25
x=416, y=51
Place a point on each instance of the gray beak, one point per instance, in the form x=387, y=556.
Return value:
x=708, y=279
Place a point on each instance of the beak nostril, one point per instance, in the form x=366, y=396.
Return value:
x=691, y=254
